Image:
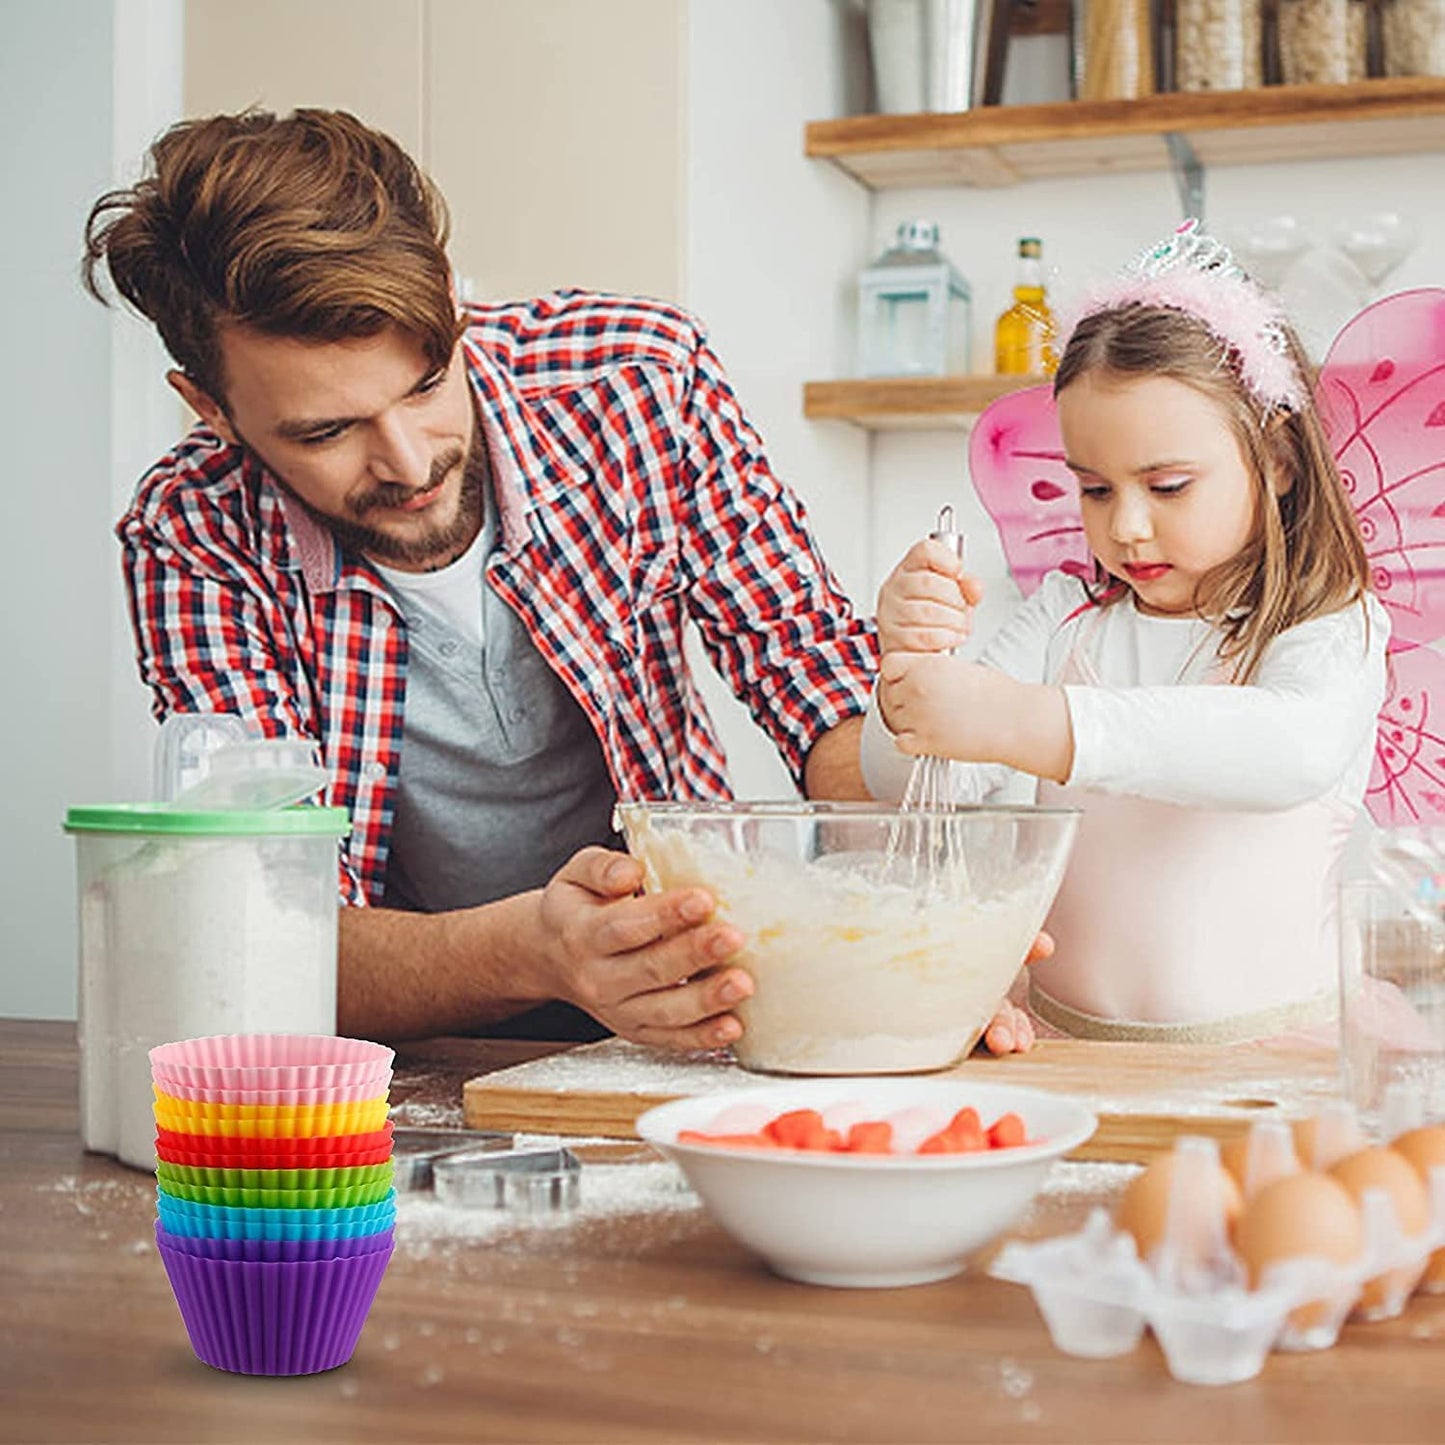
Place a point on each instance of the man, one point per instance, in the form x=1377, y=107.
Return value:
x=456, y=551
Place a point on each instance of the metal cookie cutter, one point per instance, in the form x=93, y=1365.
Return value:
x=415, y=1152
x=527, y=1181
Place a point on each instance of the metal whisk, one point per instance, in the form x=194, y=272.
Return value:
x=928, y=855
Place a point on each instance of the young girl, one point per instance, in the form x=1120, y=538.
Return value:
x=1208, y=698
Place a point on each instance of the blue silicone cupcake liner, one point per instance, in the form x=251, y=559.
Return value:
x=220, y=1221
x=275, y=1251
x=279, y=1229
x=249, y=1214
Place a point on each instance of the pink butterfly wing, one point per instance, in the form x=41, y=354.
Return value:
x=1381, y=396
x=1016, y=460
x=1407, y=783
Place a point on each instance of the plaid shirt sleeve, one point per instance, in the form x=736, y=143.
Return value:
x=772, y=615
x=204, y=640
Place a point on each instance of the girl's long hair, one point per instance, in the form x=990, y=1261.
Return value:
x=1305, y=557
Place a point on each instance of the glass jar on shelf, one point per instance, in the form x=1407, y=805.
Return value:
x=914, y=309
x=1115, y=49
x=1414, y=37
x=1217, y=44
x=1322, y=42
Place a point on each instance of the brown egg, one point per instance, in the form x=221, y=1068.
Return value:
x=1382, y=1168
x=1257, y=1158
x=1304, y=1215
x=1425, y=1149
x=1144, y=1209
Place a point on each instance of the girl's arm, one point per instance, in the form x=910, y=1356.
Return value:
x=1016, y=660
x=1289, y=736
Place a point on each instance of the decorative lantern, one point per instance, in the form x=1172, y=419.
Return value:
x=913, y=309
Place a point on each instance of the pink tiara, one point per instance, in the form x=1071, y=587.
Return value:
x=1195, y=274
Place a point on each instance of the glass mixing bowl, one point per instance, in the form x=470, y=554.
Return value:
x=879, y=941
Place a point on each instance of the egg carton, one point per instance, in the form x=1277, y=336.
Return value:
x=1097, y=1296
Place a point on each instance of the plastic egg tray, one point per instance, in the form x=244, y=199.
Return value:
x=1097, y=1297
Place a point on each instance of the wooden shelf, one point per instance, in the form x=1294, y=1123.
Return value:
x=908, y=403
x=1003, y=145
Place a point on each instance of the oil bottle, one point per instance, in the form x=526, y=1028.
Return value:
x=1023, y=337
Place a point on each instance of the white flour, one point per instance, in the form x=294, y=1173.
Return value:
x=854, y=974
x=184, y=938
x=425, y=1226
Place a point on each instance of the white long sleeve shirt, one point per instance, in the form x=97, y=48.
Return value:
x=1201, y=889
x=1153, y=727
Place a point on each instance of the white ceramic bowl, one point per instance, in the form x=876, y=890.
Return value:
x=871, y=1221
x=880, y=941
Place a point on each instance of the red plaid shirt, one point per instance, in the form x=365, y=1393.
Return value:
x=632, y=493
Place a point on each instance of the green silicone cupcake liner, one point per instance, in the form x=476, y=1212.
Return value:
x=288, y=1179
x=348, y=1198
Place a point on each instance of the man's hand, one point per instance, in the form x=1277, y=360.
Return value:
x=927, y=603
x=652, y=968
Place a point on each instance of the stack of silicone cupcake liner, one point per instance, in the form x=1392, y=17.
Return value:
x=276, y=1211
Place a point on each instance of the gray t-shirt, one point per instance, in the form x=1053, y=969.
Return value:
x=502, y=777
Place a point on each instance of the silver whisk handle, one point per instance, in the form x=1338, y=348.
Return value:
x=946, y=533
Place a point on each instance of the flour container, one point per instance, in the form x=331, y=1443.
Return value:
x=195, y=923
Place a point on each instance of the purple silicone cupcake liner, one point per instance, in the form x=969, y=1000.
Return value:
x=288, y=1318
x=275, y=1251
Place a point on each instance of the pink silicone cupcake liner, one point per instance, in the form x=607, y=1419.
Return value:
x=165, y=1103
x=270, y=1061
x=255, y=1317
x=275, y=1251
x=238, y=1153
x=334, y=1094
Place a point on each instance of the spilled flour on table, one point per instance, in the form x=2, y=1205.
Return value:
x=617, y=1067
x=90, y=1196
x=1068, y=1178
x=425, y=1225
x=415, y=1114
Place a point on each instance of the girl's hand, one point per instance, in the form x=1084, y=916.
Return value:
x=1011, y=1032
x=945, y=707
x=927, y=603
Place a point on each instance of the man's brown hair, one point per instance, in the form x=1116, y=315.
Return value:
x=311, y=226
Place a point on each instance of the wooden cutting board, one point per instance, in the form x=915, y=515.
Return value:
x=1144, y=1094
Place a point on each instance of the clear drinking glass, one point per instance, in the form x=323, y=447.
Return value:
x=1392, y=981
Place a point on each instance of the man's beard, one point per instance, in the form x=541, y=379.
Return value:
x=429, y=550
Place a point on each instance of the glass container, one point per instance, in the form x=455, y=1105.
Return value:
x=1115, y=49
x=1414, y=33
x=1023, y=336
x=1322, y=42
x=914, y=309
x=1217, y=44
x=879, y=940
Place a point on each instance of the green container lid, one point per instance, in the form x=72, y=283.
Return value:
x=160, y=820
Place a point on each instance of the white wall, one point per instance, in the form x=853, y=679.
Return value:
x=82, y=83
x=54, y=390
x=773, y=244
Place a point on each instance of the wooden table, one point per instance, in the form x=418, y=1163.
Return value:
x=618, y=1328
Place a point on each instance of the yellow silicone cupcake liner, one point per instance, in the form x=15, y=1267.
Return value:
x=322, y=1121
